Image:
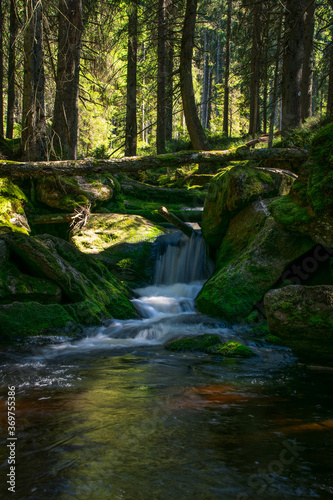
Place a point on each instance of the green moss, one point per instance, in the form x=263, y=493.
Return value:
x=287, y=211
x=322, y=145
x=19, y=320
x=273, y=339
x=260, y=330
x=232, y=349
x=200, y=343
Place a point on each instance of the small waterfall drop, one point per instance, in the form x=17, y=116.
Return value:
x=182, y=260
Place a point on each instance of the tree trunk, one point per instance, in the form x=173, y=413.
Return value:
x=137, y=163
x=33, y=114
x=330, y=83
x=1, y=71
x=217, y=78
x=255, y=70
x=292, y=64
x=276, y=82
x=205, y=83
x=13, y=25
x=65, y=118
x=169, y=73
x=227, y=72
x=131, y=121
x=307, y=73
x=161, y=80
x=194, y=127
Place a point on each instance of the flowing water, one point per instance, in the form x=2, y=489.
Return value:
x=116, y=416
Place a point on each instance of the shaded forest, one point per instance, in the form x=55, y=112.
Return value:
x=106, y=78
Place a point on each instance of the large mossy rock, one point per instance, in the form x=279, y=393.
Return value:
x=67, y=193
x=250, y=263
x=12, y=204
x=80, y=277
x=308, y=208
x=19, y=320
x=303, y=317
x=232, y=190
x=126, y=242
x=16, y=286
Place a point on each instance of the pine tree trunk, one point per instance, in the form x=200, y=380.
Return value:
x=193, y=124
x=65, y=118
x=307, y=72
x=276, y=83
x=227, y=72
x=330, y=83
x=33, y=113
x=169, y=73
x=13, y=25
x=255, y=70
x=1, y=71
x=217, y=78
x=131, y=120
x=292, y=64
x=161, y=80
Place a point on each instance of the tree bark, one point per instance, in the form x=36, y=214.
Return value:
x=175, y=221
x=276, y=82
x=33, y=114
x=1, y=71
x=65, y=118
x=194, y=127
x=13, y=25
x=138, y=163
x=292, y=64
x=131, y=120
x=227, y=72
x=307, y=72
x=161, y=80
x=255, y=70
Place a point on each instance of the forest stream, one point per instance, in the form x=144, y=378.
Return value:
x=115, y=415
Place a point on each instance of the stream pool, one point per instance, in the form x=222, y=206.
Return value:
x=116, y=416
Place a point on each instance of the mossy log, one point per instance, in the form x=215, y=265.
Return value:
x=51, y=218
x=140, y=163
x=173, y=219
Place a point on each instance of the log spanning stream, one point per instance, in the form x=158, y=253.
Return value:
x=116, y=416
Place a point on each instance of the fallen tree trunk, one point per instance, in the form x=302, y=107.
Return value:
x=175, y=221
x=51, y=218
x=140, y=163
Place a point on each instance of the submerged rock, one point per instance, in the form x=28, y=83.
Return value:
x=210, y=344
x=303, y=317
x=126, y=242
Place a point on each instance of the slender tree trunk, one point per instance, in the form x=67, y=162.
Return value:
x=292, y=64
x=205, y=83
x=330, y=83
x=66, y=106
x=307, y=73
x=131, y=121
x=217, y=78
x=33, y=110
x=13, y=25
x=1, y=71
x=276, y=82
x=255, y=70
x=169, y=74
x=227, y=72
x=161, y=80
x=193, y=124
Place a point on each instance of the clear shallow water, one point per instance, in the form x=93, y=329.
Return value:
x=116, y=416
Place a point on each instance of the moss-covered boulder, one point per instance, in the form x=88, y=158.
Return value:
x=126, y=242
x=232, y=349
x=66, y=193
x=19, y=320
x=19, y=287
x=242, y=280
x=232, y=190
x=199, y=343
x=80, y=277
x=309, y=207
x=12, y=204
x=303, y=317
